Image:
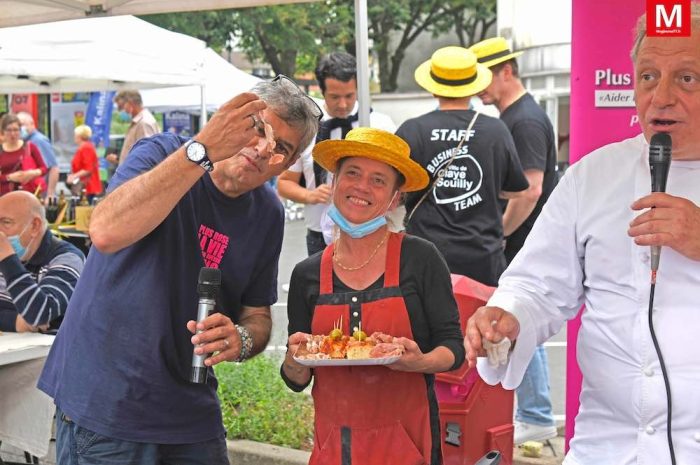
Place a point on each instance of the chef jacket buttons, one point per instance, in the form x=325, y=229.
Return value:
x=354, y=298
x=650, y=429
x=355, y=314
x=649, y=371
x=696, y=436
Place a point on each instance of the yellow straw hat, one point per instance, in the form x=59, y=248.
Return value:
x=493, y=51
x=453, y=72
x=374, y=144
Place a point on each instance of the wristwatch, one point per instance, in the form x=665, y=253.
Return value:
x=196, y=152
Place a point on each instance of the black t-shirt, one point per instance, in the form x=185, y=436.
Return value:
x=534, y=139
x=425, y=285
x=462, y=215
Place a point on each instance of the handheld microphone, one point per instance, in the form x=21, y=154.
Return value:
x=659, y=164
x=208, y=286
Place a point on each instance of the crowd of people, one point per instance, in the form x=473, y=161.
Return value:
x=390, y=214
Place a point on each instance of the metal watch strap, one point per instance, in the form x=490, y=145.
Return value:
x=246, y=343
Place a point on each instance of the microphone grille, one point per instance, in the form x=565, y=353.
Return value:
x=209, y=276
x=661, y=138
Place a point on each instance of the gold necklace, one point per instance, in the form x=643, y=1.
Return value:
x=371, y=256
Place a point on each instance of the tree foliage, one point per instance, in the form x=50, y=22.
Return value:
x=291, y=37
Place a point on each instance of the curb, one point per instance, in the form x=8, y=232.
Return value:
x=243, y=452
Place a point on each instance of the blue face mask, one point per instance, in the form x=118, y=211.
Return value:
x=124, y=116
x=16, y=244
x=23, y=133
x=353, y=230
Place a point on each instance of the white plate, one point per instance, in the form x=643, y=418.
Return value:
x=342, y=362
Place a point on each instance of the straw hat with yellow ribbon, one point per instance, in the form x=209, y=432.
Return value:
x=374, y=144
x=493, y=51
x=453, y=72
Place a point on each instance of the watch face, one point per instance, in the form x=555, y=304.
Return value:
x=196, y=152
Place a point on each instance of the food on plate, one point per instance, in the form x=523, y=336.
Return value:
x=336, y=345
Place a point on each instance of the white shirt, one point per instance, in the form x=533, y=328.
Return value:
x=579, y=253
x=313, y=213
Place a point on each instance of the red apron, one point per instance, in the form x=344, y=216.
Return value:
x=368, y=415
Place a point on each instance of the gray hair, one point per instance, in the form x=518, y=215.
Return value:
x=640, y=30
x=292, y=106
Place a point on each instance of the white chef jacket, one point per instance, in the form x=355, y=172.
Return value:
x=579, y=253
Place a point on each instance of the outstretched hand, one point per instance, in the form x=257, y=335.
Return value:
x=670, y=221
x=489, y=323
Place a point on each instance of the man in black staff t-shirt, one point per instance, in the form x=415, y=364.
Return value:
x=534, y=139
x=532, y=133
x=460, y=211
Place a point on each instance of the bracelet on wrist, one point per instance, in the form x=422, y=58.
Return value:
x=246, y=343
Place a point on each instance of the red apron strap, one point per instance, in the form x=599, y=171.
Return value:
x=393, y=260
x=326, y=284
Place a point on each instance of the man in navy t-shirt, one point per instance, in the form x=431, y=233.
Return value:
x=120, y=366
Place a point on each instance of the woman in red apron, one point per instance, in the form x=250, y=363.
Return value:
x=376, y=280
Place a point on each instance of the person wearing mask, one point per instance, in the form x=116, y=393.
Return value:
x=590, y=245
x=142, y=122
x=21, y=164
x=126, y=344
x=85, y=171
x=38, y=272
x=306, y=182
x=472, y=163
x=30, y=133
x=374, y=280
x=534, y=139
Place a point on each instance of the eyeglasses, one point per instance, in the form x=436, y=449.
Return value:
x=282, y=77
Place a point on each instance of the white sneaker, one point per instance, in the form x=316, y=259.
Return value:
x=528, y=432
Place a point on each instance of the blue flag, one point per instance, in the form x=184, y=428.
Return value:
x=99, y=116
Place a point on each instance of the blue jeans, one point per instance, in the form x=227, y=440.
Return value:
x=534, y=404
x=79, y=446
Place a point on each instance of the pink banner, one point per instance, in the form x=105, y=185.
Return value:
x=602, y=111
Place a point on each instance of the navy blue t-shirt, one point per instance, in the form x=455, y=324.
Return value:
x=121, y=362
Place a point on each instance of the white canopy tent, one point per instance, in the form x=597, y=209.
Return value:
x=222, y=81
x=16, y=12
x=19, y=12
x=106, y=53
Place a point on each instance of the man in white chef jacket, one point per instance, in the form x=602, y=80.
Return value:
x=590, y=246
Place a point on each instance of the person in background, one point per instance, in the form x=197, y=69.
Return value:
x=534, y=139
x=306, y=182
x=143, y=123
x=38, y=272
x=590, y=245
x=21, y=164
x=85, y=171
x=472, y=163
x=30, y=133
x=374, y=280
x=126, y=344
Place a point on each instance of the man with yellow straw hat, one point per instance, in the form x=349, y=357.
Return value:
x=472, y=163
x=534, y=139
x=369, y=281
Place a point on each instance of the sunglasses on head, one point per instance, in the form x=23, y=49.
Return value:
x=282, y=77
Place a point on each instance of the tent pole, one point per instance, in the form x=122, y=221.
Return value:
x=203, y=108
x=362, y=47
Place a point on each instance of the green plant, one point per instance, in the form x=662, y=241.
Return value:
x=257, y=405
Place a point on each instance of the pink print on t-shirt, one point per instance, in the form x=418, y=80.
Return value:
x=213, y=245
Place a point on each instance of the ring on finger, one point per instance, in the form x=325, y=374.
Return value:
x=226, y=344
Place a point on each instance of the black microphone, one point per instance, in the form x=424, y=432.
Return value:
x=208, y=286
x=659, y=164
